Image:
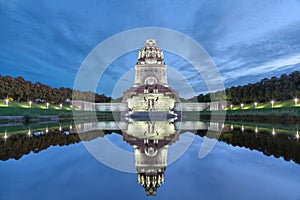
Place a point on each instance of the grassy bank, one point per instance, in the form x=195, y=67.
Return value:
x=23, y=108
x=280, y=114
x=276, y=104
x=12, y=104
x=39, y=112
x=281, y=110
x=20, y=111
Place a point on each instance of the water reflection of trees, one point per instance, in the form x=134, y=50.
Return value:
x=18, y=145
x=279, y=145
x=22, y=144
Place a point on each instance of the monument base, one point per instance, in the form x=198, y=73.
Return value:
x=152, y=116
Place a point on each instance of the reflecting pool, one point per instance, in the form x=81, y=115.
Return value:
x=53, y=161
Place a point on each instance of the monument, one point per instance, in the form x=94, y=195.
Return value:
x=150, y=117
x=150, y=92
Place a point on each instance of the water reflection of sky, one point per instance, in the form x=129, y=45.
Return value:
x=70, y=172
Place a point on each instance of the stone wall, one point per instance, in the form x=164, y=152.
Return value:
x=118, y=107
x=84, y=105
x=123, y=107
x=217, y=105
x=190, y=106
x=89, y=106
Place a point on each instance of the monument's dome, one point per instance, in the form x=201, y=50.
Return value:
x=150, y=53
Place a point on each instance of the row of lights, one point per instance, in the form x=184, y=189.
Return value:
x=47, y=130
x=256, y=130
x=231, y=127
x=272, y=103
x=29, y=133
x=30, y=104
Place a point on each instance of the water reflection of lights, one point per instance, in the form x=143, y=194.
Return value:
x=273, y=132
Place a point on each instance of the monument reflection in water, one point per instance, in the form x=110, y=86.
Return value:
x=152, y=100
x=149, y=108
x=150, y=140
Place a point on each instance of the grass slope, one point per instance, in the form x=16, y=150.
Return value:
x=22, y=108
x=277, y=104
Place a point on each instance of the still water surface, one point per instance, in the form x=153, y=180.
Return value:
x=250, y=161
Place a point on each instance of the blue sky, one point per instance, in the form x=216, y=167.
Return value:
x=47, y=41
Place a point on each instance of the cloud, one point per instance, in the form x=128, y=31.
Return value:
x=47, y=41
x=272, y=54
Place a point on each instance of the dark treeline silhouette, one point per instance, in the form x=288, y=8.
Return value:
x=21, y=90
x=281, y=88
x=280, y=145
x=18, y=145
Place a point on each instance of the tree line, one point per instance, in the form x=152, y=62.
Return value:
x=280, y=146
x=20, y=89
x=281, y=88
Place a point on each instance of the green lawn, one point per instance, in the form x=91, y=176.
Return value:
x=19, y=111
x=21, y=108
x=34, y=105
x=277, y=104
x=284, y=110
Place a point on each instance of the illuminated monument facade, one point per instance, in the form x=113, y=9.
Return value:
x=150, y=92
x=151, y=67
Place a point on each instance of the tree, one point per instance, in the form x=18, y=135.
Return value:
x=22, y=90
x=281, y=88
